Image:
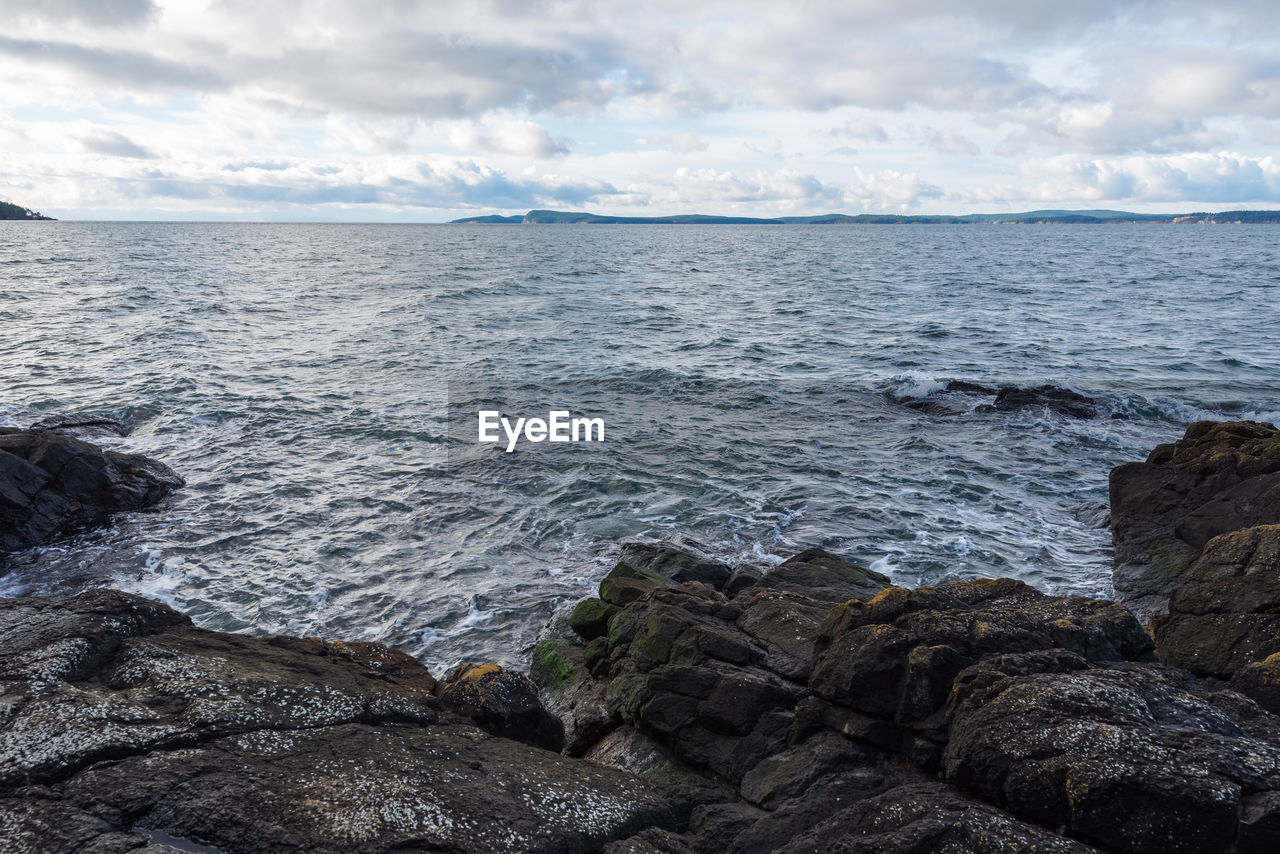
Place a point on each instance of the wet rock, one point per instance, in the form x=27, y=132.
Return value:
x=1220, y=477
x=1260, y=681
x=628, y=749
x=120, y=715
x=1226, y=613
x=676, y=563
x=82, y=425
x=821, y=575
x=52, y=485
x=897, y=655
x=626, y=584
x=504, y=702
x=567, y=690
x=590, y=618
x=965, y=387
x=1054, y=398
x=1135, y=757
x=742, y=578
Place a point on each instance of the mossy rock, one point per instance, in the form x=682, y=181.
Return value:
x=553, y=666
x=626, y=584
x=590, y=618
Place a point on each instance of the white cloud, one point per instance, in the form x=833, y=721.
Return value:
x=795, y=105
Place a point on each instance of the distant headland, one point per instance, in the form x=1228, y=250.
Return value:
x=12, y=211
x=1049, y=217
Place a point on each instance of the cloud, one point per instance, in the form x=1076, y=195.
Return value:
x=134, y=69
x=518, y=138
x=114, y=144
x=863, y=129
x=1224, y=177
x=684, y=142
x=103, y=12
x=952, y=142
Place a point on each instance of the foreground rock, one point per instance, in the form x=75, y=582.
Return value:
x=820, y=709
x=1219, y=478
x=123, y=724
x=52, y=485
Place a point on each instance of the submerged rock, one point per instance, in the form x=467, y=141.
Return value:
x=52, y=485
x=1220, y=477
x=1064, y=401
x=122, y=720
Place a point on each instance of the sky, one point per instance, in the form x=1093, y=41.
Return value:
x=429, y=111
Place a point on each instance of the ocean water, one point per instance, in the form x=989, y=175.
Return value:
x=315, y=384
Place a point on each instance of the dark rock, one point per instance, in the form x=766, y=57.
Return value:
x=1261, y=682
x=1220, y=477
x=963, y=387
x=922, y=818
x=566, y=689
x=590, y=618
x=120, y=715
x=651, y=841
x=897, y=655
x=628, y=749
x=741, y=579
x=82, y=425
x=821, y=575
x=1226, y=613
x=626, y=584
x=785, y=625
x=52, y=485
x=676, y=563
x=504, y=702
x=1135, y=757
x=1061, y=400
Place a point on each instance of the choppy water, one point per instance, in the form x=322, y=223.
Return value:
x=297, y=376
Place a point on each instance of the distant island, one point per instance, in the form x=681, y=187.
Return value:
x=12, y=211
x=1028, y=218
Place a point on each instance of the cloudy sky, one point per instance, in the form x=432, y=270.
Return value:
x=426, y=111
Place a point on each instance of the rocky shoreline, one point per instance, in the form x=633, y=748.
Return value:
x=690, y=707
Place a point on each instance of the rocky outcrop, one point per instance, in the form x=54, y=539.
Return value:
x=52, y=484
x=124, y=725
x=971, y=716
x=955, y=399
x=1219, y=478
x=1226, y=613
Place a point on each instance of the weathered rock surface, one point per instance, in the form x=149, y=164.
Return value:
x=773, y=720
x=504, y=702
x=1220, y=477
x=52, y=484
x=1061, y=400
x=122, y=723
x=1135, y=757
x=1226, y=613
x=951, y=400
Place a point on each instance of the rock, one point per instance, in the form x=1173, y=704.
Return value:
x=1220, y=477
x=52, y=485
x=923, y=818
x=1061, y=400
x=965, y=387
x=590, y=618
x=676, y=563
x=504, y=702
x=1261, y=682
x=628, y=749
x=568, y=692
x=626, y=584
x=82, y=425
x=1226, y=613
x=821, y=575
x=742, y=578
x=897, y=655
x=1135, y=757
x=120, y=715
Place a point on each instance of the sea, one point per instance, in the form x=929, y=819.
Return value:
x=318, y=386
